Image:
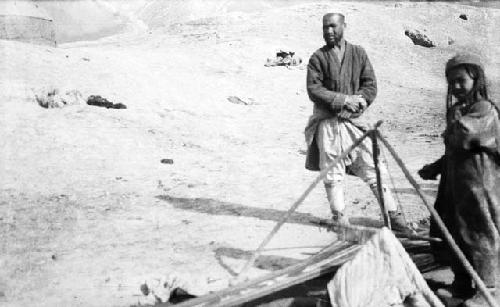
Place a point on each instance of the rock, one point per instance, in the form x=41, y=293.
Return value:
x=284, y=58
x=96, y=100
x=50, y=98
x=167, y=161
x=463, y=16
x=175, y=286
x=237, y=100
x=179, y=295
x=419, y=38
x=144, y=289
x=119, y=106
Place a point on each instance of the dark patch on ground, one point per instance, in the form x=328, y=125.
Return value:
x=264, y=262
x=218, y=207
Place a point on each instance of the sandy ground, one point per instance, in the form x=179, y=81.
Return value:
x=86, y=208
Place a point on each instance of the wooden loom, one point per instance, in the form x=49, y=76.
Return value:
x=349, y=240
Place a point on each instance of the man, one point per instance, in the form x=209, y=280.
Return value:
x=341, y=83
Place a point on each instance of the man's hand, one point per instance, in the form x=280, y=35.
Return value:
x=344, y=114
x=363, y=104
x=355, y=103
x=353, y=107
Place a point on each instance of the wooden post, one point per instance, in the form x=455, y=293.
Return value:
x=380, y=188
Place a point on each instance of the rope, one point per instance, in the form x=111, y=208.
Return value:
x=442, y=227
x=295, y=205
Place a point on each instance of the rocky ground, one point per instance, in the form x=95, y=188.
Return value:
x=87, y=209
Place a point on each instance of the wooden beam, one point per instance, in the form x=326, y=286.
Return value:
x=335, y=252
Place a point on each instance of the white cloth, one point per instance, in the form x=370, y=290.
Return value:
x=381, y=274
x=334, y=136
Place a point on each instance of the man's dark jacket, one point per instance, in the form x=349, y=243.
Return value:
x=328, y=84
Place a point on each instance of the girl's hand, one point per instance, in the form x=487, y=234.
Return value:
x=428, y=172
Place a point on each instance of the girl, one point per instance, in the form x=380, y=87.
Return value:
x=469, y=191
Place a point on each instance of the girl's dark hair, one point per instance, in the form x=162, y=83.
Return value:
x=479, y=90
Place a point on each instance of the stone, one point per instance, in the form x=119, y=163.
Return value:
x=420, y=39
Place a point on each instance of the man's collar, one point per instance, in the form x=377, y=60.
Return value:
x=341, y=43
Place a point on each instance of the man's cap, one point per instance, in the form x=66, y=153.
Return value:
x=463, y=59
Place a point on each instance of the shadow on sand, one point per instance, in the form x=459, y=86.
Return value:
x=310, y=293
x=263, y=262
x=217, y=207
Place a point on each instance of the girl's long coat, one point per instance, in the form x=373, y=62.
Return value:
x=469, y=192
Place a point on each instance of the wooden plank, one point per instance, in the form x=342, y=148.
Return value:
x=326, y=267
x=347, y=235
x=360, y=234
x=380, y=189
x=333, y=253
x=350, y=240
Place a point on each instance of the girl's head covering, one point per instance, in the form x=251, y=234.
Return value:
x=463, y=59
x=474, y=67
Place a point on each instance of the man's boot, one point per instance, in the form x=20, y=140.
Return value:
x=398, y=222
x=335, y=195
x=340, y=218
